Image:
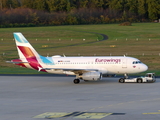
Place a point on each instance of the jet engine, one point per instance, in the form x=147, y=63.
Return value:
x=93, y=76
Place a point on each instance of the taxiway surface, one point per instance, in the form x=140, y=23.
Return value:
x=58, y=98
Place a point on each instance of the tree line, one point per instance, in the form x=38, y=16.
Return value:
x=14, y=13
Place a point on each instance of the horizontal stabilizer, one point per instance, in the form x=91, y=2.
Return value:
x=15, y=62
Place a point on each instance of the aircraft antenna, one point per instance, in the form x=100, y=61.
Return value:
x=64, y=55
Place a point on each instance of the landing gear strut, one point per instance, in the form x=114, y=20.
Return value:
x=125, y=76
x=76, y=81
x=121, y=80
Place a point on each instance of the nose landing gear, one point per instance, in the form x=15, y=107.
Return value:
x=122, y=80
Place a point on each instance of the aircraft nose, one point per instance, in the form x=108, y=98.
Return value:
x=144, y=68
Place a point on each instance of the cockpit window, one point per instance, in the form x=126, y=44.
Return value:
x=137, y=62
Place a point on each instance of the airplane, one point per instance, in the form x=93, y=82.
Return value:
x=84, y=68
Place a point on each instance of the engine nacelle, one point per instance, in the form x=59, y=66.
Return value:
x=94, y=76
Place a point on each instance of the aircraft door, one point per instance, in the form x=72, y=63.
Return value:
x=124, y=63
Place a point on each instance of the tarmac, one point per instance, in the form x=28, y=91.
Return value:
x=58, y=98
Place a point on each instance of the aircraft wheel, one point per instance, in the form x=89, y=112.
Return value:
x=76, y=81
x=121, y=80
x=139, y=80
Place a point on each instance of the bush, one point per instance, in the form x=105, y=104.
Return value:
x=126, y=24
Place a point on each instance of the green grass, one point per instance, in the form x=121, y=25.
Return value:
x=141, y=40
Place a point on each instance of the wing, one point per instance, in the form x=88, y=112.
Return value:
x=76, y=71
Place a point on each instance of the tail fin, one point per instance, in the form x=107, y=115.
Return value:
x=25, y=49
x=28, y=55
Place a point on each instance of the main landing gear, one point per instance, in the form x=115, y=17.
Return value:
x=76, y=81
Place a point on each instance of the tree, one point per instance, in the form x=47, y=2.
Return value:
x=62, y=5
x=51, y=5
x=39, y=4
x=27, y=3
x=153, y=8
x=142, y=8
x=9, y=4
x=131, y=6
x=81, y=4
x=116, y=4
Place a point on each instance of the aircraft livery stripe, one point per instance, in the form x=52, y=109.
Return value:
x=27, y=52
x=31, y=58
x=20, y=38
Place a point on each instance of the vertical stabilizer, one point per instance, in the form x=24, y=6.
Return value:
x=29, y=58
x=25, y=49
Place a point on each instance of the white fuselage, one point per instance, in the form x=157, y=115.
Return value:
x=105, y=65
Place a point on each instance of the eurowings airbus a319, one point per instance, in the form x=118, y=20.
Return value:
x=84, y=68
